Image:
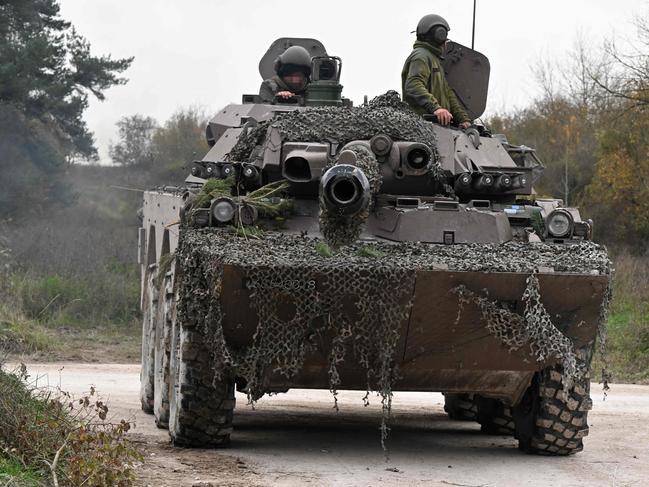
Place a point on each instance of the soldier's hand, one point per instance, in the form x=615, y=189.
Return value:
x=444, y=117
x=465, y=125
x=284, y=94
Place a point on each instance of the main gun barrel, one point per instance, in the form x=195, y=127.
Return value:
x=345, y=190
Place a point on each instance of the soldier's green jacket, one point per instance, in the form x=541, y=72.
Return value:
x=424, y=85
x=271, y=86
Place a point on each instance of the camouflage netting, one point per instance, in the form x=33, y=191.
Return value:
x=385, y=114
x=350, y=304
x=339, y=230
x=533, y=328
x=602, y=337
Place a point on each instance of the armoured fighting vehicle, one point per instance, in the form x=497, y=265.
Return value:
x=322, y=245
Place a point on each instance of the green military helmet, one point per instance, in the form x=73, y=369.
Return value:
x=433, y=27
x=295, y=58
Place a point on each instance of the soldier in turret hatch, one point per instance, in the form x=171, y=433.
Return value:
x=424, y=85
x=293, y=69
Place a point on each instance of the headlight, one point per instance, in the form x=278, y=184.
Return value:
x=222, y=210
x=559, y=223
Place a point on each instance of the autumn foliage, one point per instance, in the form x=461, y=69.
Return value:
x=590, y=126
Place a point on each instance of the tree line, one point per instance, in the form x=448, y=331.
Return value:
x=590, y=126
x=164, y=150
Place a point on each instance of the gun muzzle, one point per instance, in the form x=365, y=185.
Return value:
x=345, y=190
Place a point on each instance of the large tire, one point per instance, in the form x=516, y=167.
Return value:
x=461, y=407
x=149, y=311
x=494, y=416
x=162, y=351
x=200, y=409
x=550, y=421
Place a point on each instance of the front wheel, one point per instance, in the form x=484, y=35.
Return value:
x=200, y=407
x=549, y=420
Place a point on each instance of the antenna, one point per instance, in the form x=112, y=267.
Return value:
x=473, y=30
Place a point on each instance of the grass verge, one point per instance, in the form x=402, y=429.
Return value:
x=76, y=318
x=628, y=324
x=14, y=473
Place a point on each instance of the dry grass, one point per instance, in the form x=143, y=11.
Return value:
x=69, y=287
x=628, y=327
x=47, y=435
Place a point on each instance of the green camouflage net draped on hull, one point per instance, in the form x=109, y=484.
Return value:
x=385, y=114
x=533, y=328
x=348, y=304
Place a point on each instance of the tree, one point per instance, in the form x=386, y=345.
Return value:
x=164, y=151
x=563, y=134
x=619, y=191
x=591, y=128
x=47, y=71
x=627, y=73
x=179, y=142
x=135, y=141
x=47, y=74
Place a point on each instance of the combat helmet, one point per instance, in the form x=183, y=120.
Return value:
x=434, y=27
x=295, y=58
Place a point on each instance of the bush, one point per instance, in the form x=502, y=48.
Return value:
x=19, y=335
x=628, y=328
x=14, y=473
x=105, y=297
x=53, y=435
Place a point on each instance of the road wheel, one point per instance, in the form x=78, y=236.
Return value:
x=550, y=421
x=461, y=407
x=494, y=416
x=162, y=350
x=200, y=409
x=149, y=311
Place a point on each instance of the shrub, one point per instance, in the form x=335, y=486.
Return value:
x=629, y=318
x=107, y=296
x=72, y=441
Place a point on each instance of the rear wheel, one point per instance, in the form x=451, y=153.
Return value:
x=550, y=421
x=461, y=407
x=162, y=350
x=149, y=312
x=200, y=408
x=494, y=416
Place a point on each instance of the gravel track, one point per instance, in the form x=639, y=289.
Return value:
x=297, y=439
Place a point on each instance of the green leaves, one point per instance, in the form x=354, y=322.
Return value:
x=47, y=74
x=135, y=147
x=47, y=70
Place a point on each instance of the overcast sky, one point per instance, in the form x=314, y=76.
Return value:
x=206, y=52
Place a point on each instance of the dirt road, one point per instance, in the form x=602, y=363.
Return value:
x=296, y=439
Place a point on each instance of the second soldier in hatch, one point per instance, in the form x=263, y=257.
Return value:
x=423, y=82
x=293, y=69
